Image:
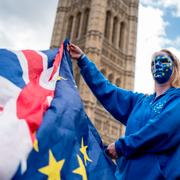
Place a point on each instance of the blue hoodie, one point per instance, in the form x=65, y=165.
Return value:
x=150, y=149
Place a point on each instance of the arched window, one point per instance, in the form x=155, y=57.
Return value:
x=98, y=124
x=103, y=72
x=69, y=28
x=121, y=35
x=106, y=127
x=77, y=25
x=85, y=21
x=118, y=81
x=107, y=25
x=77, y=75
x=114, y=32
x=111, y=77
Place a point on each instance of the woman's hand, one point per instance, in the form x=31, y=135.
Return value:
x=111, y=151
x=74, y=51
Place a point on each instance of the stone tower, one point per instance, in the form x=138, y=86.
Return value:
x=106, y=30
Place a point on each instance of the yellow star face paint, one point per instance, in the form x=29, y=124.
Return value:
x=162, y=68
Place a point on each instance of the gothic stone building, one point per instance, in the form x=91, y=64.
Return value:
x=106, y=30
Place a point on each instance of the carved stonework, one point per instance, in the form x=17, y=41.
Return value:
x=79, y=4
x=118, y=6
x=106, y=30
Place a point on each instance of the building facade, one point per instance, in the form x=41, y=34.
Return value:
x=106, y=30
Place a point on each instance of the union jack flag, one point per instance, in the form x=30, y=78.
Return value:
x=27, y=80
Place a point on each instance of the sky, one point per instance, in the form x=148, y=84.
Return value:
x=158, y=27
x=28, y=24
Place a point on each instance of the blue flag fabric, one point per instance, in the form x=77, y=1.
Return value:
x=67, y=145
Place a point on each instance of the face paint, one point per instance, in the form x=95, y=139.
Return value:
x=162, y=67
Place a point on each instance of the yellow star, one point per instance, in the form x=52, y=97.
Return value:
x=81, y=170
x=53, y=170
x=35, y=145
x=84, y=152
x=59, y=78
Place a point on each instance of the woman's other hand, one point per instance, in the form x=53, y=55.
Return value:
x=111, y=150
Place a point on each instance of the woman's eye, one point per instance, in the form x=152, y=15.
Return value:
x=165, y=61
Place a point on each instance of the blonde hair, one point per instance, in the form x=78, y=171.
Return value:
x=175, y=77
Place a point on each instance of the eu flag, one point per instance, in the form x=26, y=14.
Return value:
x=67, y=146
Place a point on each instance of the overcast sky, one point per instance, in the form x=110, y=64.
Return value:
x=26, y=23
x=29, y=23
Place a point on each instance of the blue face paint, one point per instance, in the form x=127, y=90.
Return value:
x=162, y=68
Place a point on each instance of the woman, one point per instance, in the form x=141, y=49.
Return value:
x=150, y=149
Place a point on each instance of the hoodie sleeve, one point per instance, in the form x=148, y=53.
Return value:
x=159, y=134
x=117, y=101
